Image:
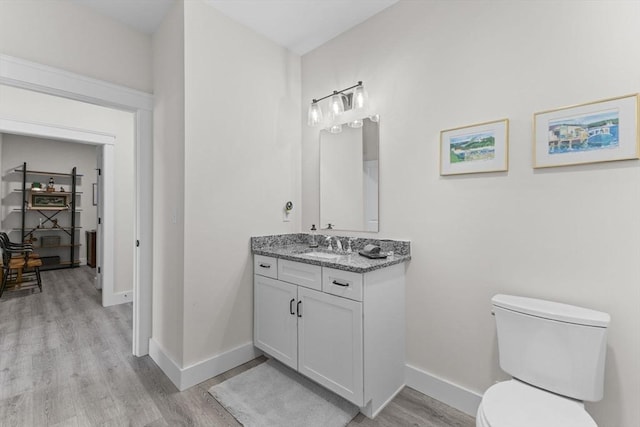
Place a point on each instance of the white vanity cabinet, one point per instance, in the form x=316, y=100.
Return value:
x=275, y=324
x=330, y=342
x=343, y=330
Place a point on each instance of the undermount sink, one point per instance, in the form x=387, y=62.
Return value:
x=323, y=255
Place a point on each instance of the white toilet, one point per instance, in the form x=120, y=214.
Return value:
x=555, y=353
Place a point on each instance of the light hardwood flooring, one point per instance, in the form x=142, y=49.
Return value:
x=66, y=361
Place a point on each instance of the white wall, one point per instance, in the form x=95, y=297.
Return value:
x=54, y=156
x=242, y=164
x=30, y=106
x=168, y=180
x=72, y=37
x=569, y=234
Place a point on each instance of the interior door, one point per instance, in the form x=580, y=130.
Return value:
x=330, y=343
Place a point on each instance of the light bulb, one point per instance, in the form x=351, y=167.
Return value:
x=335, y=129
x=359, y=101
x=357, y=123
x=315, y=114
x=336, y=106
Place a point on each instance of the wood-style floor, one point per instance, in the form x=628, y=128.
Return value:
x=66, y=361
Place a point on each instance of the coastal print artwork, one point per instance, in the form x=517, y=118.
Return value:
x=595, y=132
x=598, y=131
x=475, y=148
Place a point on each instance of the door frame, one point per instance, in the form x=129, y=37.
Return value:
x=36, y=77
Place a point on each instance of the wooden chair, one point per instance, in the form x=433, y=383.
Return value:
x=18, y=260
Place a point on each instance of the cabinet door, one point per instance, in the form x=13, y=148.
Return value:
x=330, y=343
x=274, y=327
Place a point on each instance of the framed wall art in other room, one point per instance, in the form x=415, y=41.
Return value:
x=48, y=201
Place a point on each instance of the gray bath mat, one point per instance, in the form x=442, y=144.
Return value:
x=272, y=395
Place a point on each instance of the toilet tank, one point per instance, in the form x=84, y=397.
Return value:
x=557, y=347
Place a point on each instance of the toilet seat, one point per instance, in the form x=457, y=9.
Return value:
x=516, y=404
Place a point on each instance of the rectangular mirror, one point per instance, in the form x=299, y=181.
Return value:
x=349, y=177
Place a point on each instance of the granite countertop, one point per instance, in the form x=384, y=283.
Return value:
x=295, y=247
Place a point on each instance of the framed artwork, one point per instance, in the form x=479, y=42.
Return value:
x=482, y=147
x=600, y=131
x=48, y=201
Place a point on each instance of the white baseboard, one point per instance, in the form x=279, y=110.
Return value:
x=440, y=389
x=446, y=392
x=164, y=362
x=183, y=378
x=117, y=298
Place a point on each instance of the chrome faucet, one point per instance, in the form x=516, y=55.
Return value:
x=328, y=240
x=338, y=243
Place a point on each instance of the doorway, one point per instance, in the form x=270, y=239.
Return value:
x=17, y=73
x=104, y=144
x=37, y=168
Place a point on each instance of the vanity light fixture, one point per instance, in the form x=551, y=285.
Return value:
x=340, y=101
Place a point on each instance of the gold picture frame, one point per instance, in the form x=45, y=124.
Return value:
x=477, y=148
x=48, y=201
x=600, y=131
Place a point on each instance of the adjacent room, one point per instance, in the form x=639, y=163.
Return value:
x=318, y=212
x=47, y=222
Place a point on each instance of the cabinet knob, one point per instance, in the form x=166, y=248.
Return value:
x=298, y=309
x=291, y=306
x=265, y=265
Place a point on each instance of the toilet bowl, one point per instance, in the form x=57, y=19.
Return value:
x=517, y=404
x=556, y=355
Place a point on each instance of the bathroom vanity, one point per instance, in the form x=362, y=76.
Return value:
x=338, y=319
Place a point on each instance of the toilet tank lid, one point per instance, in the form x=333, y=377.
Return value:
x=552, y=310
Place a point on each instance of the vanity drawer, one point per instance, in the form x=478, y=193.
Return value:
x=265, y=266
x=307, y=275
x=342, y=283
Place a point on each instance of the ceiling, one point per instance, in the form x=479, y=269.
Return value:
x=299, y=25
